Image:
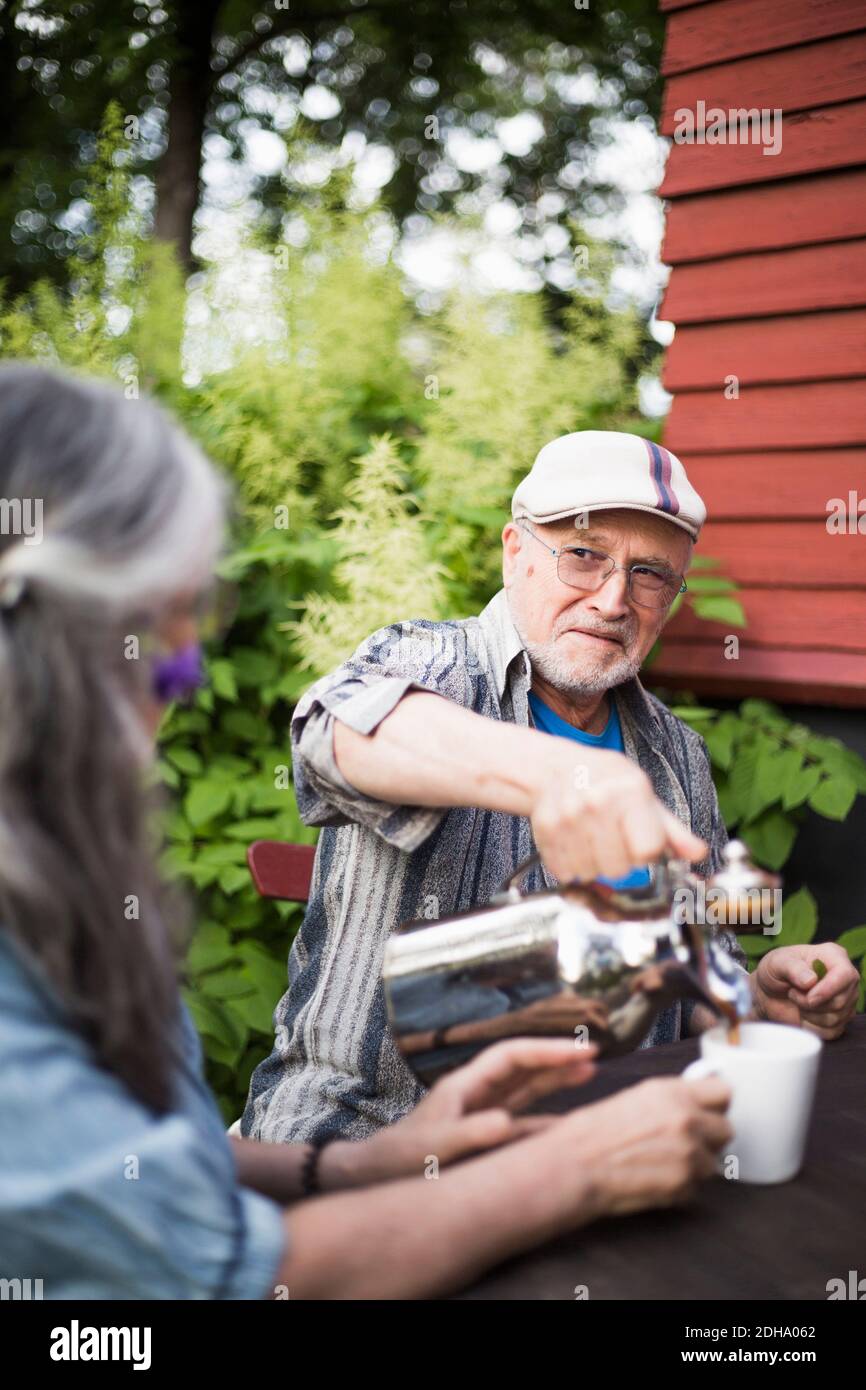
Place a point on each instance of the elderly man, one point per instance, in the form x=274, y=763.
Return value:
x=440, y=755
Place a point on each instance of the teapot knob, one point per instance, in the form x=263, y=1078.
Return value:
x=740, y=880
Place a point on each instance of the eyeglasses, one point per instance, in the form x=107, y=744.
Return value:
x=582, y=568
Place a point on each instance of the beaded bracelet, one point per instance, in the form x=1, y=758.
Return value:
x=310, y=1169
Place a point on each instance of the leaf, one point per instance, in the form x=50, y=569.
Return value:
x=213, y=1020
x=253, y=668
x=167, y=773
x=710, y=584
x=234, y=878
x=704, y=562
x=757, y=945
x=248, y=830
x=294, y=683
x=720, y=609
x=833, y=797
x=256, y=1012
x=800, y=787
x=728, y=805
x=223, y=679
x=185, y=760
x=819, y=968
x=177, y=828
x=205, y=801
x=799, y=919
x=222, y=853
x=768, y=784
x=721, y=739
x=770, y=838
x=854, y=941
x=268, y=974
x=228, y=767
x=763, y=712
x=210, y=947
x=225, y=984
x=242, y=725
x=742, y=775
x=855, y=766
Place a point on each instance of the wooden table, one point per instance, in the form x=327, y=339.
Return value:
x=735, y=1240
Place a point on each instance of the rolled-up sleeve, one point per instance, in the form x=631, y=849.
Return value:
x=434, y=657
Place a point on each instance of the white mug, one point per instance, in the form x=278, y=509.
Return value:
x=772, y=1077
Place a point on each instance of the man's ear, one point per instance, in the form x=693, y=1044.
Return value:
x=511, y=539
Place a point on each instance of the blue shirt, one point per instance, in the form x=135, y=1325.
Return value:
x=610, y=737
x=99, y=1197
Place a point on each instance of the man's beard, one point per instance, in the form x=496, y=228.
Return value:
x=584, y=675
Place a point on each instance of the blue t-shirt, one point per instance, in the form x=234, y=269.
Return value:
x=610, y=737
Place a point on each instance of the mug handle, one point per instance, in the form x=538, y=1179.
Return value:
x=696, y=1071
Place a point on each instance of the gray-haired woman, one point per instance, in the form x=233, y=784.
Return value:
x=116, y=1177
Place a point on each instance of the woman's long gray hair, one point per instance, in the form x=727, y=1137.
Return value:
x=130, y=516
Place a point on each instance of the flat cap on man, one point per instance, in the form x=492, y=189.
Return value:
x=592, y=469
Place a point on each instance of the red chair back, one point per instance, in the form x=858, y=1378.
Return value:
x=282, y=870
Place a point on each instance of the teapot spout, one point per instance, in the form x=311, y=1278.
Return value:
x=727, y=989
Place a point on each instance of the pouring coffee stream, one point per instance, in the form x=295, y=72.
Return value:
x=583, y=959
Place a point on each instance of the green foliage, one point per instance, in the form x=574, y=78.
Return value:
x=228, y=763
x=768, y=770
x=385, y=571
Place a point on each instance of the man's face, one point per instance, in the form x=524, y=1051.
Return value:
x=584, y=643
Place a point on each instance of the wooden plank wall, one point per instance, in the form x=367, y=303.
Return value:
x=768, y=285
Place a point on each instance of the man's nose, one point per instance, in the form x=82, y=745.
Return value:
x=611, y=598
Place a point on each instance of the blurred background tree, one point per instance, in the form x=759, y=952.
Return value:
x=465, y=102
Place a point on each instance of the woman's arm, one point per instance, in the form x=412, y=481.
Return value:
x=472, y=1109
x=645, y=1147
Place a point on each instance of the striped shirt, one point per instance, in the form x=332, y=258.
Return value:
x=335, y=1069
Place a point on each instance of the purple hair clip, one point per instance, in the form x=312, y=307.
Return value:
x=179, y=676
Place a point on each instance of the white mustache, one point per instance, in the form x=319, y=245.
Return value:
x=618, y=634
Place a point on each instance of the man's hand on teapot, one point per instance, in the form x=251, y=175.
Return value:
x=599, y=815
x=787, y=990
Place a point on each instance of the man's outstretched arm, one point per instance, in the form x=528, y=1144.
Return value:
x=592, y=811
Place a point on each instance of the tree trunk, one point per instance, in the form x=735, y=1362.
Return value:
x=178, y=172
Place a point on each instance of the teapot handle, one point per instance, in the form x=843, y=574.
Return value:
x=510, y=884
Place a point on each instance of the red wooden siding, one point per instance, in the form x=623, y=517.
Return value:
x=832, y=276
x=831, y=345
x=700, y=35
x=795, y=79
x=770, y=417
x=825, y=207
x=793, y=483
x=768, y=286
x=830, y=137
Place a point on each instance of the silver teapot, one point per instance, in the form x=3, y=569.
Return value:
x=583, y=960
